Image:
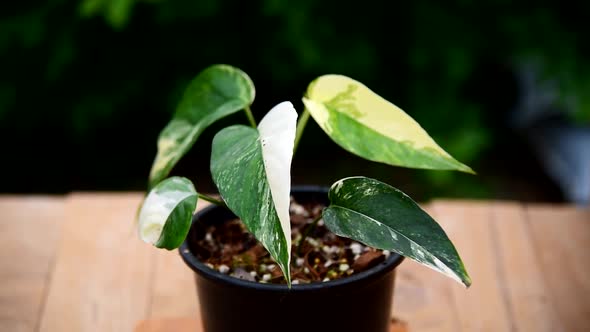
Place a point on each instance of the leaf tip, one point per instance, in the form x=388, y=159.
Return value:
x=467, y=282
x=166, y=246
x=463, y=277
x=460, y=167
x=286, y=272
x=468, y=170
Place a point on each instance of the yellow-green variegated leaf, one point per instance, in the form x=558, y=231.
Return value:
x=166, y=213
x=252, y=170
x=363, y=123
x=216, y=92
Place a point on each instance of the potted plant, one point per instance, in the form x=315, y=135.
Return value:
x=327, y=232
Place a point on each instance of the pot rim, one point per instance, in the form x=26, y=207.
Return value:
x=203, y=270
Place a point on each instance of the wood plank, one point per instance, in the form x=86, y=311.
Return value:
x=103, y=273
x=562, y=241
x=522, y=279
x=186, y=324
x=423, y=297
x=173, y=293
x=483, y=306
x=174, y=290
x=29, y=232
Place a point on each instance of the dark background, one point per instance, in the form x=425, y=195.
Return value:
x=86, y=85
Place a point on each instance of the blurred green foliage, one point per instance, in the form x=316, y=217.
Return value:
x=86, y=85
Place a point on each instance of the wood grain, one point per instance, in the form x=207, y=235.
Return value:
x=29, y=233
x=423, y=297
x=103, y=277
x=522, y=281
x=481, y=307
x=184, y=324
x=174, y=291
x=75, y=263
x=189, y=324
x=562, y=241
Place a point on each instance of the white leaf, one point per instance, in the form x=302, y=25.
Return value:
x=277, y=137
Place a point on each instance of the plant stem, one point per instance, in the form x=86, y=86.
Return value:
x=308, y=231
x=250, y=116
x=300, y=126
x=211, y=200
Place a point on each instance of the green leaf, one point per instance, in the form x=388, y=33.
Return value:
x=251, y=168
x=375, y=213
x=369, y=126
x=216, y=92
x=166, y=213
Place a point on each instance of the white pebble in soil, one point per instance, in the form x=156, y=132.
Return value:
x=299, y=261
x=223, y=268
x=331, y=249
x=266, y=277
x=298, y=209
x=343, y=267
x=208, y=237
x=313, y=242
x=356, y=248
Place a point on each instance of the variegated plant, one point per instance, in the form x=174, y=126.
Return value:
x=251, y=168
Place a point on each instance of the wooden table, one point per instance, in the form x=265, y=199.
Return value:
x=75, y=263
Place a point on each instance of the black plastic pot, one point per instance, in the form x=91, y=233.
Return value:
x=361, y=302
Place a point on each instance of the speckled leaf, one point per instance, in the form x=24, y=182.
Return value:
x=363, y=123
x=216, y=92
x=251, y=168
x=166, y=213
x=375, y=213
